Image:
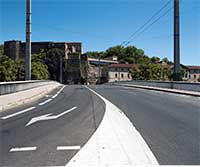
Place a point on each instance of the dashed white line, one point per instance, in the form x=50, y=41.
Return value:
x=17, y=149
x=46, y=101
x=20, y=112
x=68, y=148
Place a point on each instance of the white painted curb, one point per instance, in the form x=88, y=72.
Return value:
x=116, y=142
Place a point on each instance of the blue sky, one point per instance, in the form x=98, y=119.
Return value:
x=100, y=24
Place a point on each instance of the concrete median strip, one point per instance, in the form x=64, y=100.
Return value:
x=115, y=142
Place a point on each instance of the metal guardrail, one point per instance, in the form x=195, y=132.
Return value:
x=11, y=87
x=187, y=86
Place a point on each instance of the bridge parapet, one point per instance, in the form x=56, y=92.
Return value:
x=180, y=85
x=16, y=86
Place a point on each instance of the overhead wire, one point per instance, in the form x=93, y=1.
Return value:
x=146, y=23
x=149, y=26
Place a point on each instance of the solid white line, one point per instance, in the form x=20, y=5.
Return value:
x=20, y=112
x=68, y=148
x=54, y=96
x=22, y=149
x=58, y=92
x=115, y=137
x=48, y=100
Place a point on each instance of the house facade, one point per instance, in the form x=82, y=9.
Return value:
x=193, y=73
x=119, y=72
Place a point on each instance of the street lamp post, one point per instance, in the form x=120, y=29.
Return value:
x=28, y=41
x=176, y=75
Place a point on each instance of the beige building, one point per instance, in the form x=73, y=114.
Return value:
x=193, y=73
x=119, y=72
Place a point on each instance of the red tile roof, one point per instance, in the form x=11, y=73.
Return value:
x=193, y=67
x=123, y=65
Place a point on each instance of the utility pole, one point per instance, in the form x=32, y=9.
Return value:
x=61, y=68
x=28, y=41
x=176, y=75
x=99, y=70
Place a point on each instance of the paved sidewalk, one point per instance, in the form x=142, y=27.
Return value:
x=177, y=91
x=14, y=99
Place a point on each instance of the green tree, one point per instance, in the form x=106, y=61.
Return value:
x=155, y=59
x=135, y=72
x=165, y=59
x=1, y=49
x=7, y=69
x=52, y=60
x=20, y=69
x=156, y=72
x=116, y=51
x=93, y=54
x=39, y=71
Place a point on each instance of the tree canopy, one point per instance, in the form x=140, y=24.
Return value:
x=14, y=70
x=129, y=54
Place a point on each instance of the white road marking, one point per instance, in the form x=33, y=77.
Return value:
x=17, y=149
x=48, y=117
x=17, y=113
x=58, y=92
x=54, y=96
x=46, y=101
x=115, y=142
x=68, y=148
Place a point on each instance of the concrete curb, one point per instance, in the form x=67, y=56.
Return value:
x=9, y=101
x=176, y=91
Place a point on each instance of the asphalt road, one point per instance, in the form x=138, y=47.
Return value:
x=71, y=129
x=169, y=123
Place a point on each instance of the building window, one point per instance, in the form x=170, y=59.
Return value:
x=194, y=76
x=122, y=75
x=73, y=49
x=128, y=75
x=115, y=75
x=189, y=76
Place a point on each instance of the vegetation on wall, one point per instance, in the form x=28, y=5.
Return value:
x=14, y=70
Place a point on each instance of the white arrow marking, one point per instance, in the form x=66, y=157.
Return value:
x=48, y=117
